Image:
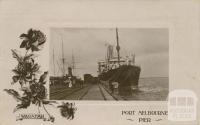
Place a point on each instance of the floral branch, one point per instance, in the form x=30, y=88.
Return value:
x=34, y=92
x=25, y=72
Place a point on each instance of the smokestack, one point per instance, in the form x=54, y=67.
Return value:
x=70, y=71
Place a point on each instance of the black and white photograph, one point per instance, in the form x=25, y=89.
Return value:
x=124, y=64
x=115, y=62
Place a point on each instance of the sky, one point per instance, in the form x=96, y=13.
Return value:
x=88, y=46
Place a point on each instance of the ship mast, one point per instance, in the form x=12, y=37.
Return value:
x=53, y=63
x=73, y=63
x=118, y=47
x=63, y=59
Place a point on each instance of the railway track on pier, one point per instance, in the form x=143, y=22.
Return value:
x=90, y=92
x=97, y=92
x=62, y=94
x=102, y=93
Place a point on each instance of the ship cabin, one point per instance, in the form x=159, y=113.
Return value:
x=113, y=63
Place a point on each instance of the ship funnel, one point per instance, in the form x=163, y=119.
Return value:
x=133, y=59
x=110, y=52
x=69, y=71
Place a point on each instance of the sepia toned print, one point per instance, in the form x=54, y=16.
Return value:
x=159, y=37
x=109, y=64
x=32, y=88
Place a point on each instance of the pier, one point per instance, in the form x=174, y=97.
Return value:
x=87, y=92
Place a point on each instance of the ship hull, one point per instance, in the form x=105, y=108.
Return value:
x=126, y=75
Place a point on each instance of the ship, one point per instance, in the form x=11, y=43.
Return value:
x=122, y=70
x=65, y=78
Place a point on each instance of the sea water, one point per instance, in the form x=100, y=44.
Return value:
x=151, y=89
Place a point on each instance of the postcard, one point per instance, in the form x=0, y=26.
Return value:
x=100, y=62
